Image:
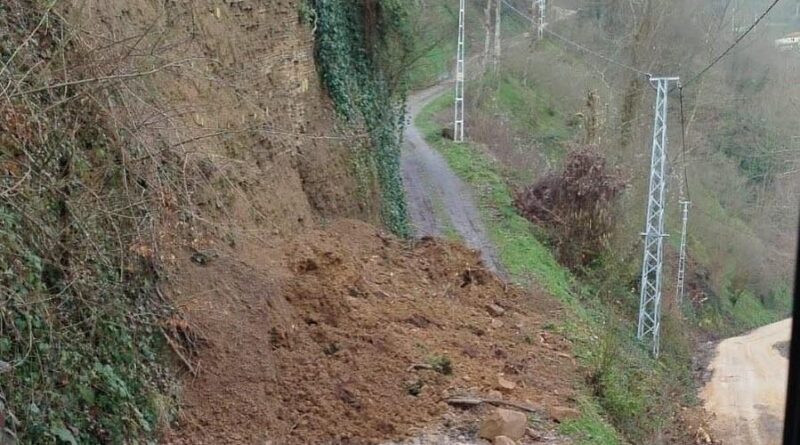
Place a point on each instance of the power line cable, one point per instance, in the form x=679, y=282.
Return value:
x=577, y=45
x=736, y=42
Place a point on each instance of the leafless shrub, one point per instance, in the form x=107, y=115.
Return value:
x=577, y=205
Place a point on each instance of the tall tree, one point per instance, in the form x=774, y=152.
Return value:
x=497, y=47
x=487, y=26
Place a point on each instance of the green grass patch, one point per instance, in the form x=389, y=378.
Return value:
x=432, y=66
x=531, y=112
x=526, y=258
x=590, y=428
x=623, y=380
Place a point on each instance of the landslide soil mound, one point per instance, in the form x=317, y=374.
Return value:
x=313, y=340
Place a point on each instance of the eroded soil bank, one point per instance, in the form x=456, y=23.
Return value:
x=348, y=335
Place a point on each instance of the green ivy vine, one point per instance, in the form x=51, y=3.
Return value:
x=356, y=44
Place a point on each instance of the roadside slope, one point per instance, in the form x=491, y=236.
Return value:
x=747, y=391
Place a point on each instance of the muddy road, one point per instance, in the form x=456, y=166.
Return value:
x=439, y=201
x=747, y=390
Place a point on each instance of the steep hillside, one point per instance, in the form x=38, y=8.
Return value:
x=553, y=97
x=175, y=261
x=235, y=99
x=140, y=138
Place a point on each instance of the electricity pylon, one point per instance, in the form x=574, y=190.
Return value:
x=650, y=299
x=540, y=15
x=458, y=123
x=682, y=258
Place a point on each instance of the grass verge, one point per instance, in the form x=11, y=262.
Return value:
x=623, y=381
x=526, y=258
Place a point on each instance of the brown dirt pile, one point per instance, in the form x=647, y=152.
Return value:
x=312, y=340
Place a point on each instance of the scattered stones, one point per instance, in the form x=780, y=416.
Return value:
x=504, y=422
x=418, y=320
x=536, y=406
x=504, y=384
x=495, y=310
x=495, y=394
x=476, y=330
x=533, y=434
x=381, y=294
x=503, y=440
x=562, y=414
x=702, y=436
x=497, y=324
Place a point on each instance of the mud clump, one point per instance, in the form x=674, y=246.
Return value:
x=347, y=335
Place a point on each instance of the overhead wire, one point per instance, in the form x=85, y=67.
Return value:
x=733, y=45
x=683, y=148
x=576, y=44
x=700, y=74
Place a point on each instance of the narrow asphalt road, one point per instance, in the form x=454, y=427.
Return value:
x=747, y=391
x=438, y=200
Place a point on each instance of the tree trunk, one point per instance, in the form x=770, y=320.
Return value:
x=633, y=93
x=487, y=26
x=497, y=15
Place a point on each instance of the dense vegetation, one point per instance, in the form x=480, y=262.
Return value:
x=546, y=99
x=79, y=340
x=360, y=48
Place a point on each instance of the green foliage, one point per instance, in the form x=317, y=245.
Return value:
x=355, y=44
x=441, y=364
x=78, y=312
x=78, y=330
x=624, y=381
x=530, y=108
x=306, y=14
x=532, y=112
x=591, y=428
x=433, y=65
x=734, y=312
x=414, y=387
x=747, y=139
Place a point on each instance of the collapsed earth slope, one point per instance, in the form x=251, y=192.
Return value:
x=348, y=335
x=208, y=119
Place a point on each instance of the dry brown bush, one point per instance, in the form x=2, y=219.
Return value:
x=576, y=205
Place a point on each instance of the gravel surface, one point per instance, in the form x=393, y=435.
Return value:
x=437, y=198
x=747, y=390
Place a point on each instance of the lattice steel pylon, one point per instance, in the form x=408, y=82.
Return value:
x=681, y=286
x=540, y=16
x=458, y=122
x=650, y=299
